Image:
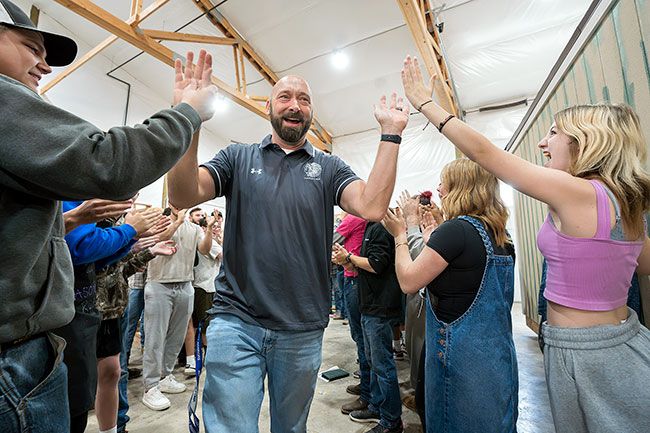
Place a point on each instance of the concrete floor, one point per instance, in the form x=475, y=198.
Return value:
x=325, y=415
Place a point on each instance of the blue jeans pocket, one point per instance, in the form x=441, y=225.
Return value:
x=33, y=384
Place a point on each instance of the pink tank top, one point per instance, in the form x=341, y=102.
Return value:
x=588, y=273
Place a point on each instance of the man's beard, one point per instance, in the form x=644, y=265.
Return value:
x=287, y=133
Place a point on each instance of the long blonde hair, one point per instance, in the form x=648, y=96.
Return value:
x=474, y=191
x=608, y=145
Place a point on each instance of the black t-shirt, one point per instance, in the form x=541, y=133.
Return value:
x=458, y=242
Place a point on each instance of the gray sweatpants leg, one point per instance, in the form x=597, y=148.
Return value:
x=167, y=310
x=598, y=378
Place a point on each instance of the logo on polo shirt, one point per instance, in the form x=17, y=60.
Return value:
x=313, y=171
x=256, y=171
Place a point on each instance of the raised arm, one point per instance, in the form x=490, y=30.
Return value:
x=553, y=187
x=369, y=200
x=57, y=155
x=206, y=241
x=188, y=183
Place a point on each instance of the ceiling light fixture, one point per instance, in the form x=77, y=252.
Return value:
x=221, y=104
x=340, y=60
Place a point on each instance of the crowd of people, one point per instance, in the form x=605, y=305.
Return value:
x=84, y=263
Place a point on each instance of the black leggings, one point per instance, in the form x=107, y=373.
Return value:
x=78, y=423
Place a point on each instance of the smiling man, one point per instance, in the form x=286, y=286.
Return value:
x=48, y=154
x=272, y=294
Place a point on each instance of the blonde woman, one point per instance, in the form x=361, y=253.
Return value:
x=467, y=266
x=596, y=354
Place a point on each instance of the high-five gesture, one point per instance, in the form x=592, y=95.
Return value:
x=416, y=91
x=392, y=115
x=193, y=84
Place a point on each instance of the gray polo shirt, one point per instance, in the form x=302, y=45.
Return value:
x=278, y=233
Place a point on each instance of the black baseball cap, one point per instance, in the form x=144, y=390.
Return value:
x=61, y=50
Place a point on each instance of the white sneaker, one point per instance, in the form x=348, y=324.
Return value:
x=154, y=399
x=190, y=370
x=171, y=386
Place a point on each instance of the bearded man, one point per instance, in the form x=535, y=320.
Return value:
x=272, y=303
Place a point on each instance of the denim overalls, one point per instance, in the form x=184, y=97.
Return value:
x=471, y=367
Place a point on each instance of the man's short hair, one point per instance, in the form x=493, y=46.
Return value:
x=196, y=209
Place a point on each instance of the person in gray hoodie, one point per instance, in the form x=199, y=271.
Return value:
x=48, y=154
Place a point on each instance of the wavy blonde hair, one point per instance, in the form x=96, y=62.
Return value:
x=474, y=191
x=608, y=144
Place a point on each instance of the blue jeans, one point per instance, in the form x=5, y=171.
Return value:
x=239, y=357
x=34, y=387
x=129, y=323
x=384, y=386
x=354, y=315
x=135, y=313
x=339, y=295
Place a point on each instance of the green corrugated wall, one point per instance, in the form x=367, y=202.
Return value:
x=613, y=66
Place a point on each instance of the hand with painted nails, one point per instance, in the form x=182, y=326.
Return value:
x=392, y=115
x=193, y=84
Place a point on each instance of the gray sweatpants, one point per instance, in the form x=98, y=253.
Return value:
x=167, y=310
x=598, y=378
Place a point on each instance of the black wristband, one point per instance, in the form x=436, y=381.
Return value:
x=444, y=122
x=347, y=258
x=423, y=104
x=391, y=138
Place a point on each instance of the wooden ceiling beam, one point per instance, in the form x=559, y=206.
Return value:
x=187, y=37
x=219, y=21
x=137, y=38
x=428, y=45
x=136, y=18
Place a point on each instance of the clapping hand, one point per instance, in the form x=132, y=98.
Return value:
x=339, y=254
x=394, y=222
x=409, y=207
x=427, y=225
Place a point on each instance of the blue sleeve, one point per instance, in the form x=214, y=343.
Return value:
x=114, y=258
x=89, y=243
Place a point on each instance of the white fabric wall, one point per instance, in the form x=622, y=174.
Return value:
x=423, y=154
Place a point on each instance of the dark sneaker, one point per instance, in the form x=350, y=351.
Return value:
x=134, y=373
x=398, y=355
x=381, y=429
x=357, y=404
x=357, y=374
x=354, y=389
x=409, y=402
x=364, y=415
